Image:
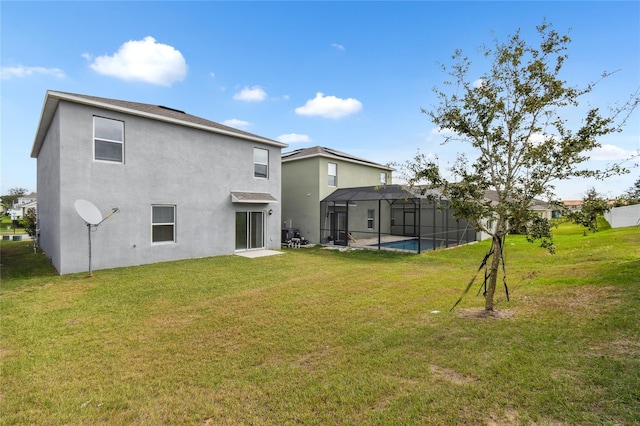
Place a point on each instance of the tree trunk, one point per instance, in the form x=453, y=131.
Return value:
x=493, y=277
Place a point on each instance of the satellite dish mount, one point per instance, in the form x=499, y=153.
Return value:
x=92, y=218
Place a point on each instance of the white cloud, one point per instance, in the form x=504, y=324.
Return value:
x=22, y=71
x=478, y=83
x=337, y=46
x=329, y=106
x=235, y=123
x=212, y=74
x=143, y=60
x=610, y=153
x=293, y=138
x=251, y=94
x=438, y=131
x=441, y=131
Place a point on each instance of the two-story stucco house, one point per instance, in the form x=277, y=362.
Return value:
x=186, y=187
x=311, y=174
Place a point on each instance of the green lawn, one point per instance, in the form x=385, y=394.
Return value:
x=7, y=228
x=322, y=337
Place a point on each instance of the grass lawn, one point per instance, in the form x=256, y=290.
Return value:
x=7, y=228
x=323, y=337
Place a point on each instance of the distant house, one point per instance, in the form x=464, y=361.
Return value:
x=573, y=205
x=311, y=174
x=186, y=187
x=542, y=208
x=22, y=204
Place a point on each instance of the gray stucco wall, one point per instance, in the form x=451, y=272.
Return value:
x=194, y=170
x=48, y=181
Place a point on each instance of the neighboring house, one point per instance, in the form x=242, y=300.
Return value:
x=26, y=206
x=186, y=187
x=542, y=208
x=573, y=205
x=311, y=174
x=21, y=205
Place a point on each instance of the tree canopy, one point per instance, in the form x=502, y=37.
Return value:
x=593, y=206
x=10, y=199
x=512, y=119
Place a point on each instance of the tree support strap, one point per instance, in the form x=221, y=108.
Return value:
x=483, y=264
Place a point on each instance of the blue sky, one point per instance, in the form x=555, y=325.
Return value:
x=351, y=76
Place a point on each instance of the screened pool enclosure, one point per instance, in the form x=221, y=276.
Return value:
x=390, y=217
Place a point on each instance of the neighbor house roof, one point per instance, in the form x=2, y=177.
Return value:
x=154, y=112
x=381, y=192
x=320, y=151
x=536, y=204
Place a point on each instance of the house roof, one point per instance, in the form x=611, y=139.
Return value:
x=382, y=192
x=154, y=112
x=536, y=204
x=320, y=151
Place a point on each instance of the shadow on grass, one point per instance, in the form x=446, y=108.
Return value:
x=20, y=266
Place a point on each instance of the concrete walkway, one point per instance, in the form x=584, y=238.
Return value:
x=252, y=254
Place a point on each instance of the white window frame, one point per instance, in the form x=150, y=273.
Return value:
x=153, y=224
x=259, y=163
x=371, y=218
x=97, y=139
x=383, y=178
x=334, y=181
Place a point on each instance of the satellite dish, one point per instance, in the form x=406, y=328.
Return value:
x=88, y=212
x=93, y=218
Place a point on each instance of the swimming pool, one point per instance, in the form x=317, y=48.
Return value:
x=411, y=244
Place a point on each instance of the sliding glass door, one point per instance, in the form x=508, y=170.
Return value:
x=249, y=230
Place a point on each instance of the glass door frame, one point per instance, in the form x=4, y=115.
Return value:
x=250, y=241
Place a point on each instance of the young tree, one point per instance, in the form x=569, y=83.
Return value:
x=509, y=117
x=29, y=222
x=593, y=206
x=633, y=194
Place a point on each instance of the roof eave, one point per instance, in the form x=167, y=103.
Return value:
x=53, y=98
x=335, y=157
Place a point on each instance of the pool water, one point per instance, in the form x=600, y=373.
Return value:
x=407, y=245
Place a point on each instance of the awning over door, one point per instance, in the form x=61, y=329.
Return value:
x=252, y=197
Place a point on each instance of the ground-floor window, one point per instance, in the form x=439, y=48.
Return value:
x=371, y=213
x=249, y=230
x=163, y=223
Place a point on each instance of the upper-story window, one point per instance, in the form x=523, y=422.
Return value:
x=260, y=163
x=333, y=174
x=108, y=137
x=383, y=178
